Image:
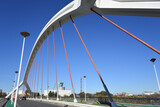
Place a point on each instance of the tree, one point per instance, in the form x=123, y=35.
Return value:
x=102, y=94
x=50, y=94
x=81, y=94
x=55, y=94
x=3, y=95
x=71, y=95
x=65, y=95
x=38, y=95
x=35, y=94
x=89, y=95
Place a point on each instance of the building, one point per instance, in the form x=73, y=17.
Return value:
x=61, y=90
x=148, y=92
x=0, y=91
x=21, y=92
x=124, y=94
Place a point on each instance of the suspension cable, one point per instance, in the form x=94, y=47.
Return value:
x=38, y=71
x=47, y=65
x=42, y=71
x=67, y=61
x=144, y=43
x=55, y=63
x=87, y=50
x=34, y=64
x=105, y=87
x=35, y=74
x=30, y=77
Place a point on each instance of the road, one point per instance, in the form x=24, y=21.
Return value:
x=29, y=103
x=2, y=101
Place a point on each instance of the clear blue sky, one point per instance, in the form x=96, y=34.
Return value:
x=122, y=61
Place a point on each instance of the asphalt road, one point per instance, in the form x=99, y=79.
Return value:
x=29, y=103
x=2, y=101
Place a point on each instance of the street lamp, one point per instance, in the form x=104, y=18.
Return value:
x=85, y=87
x=24, y=34
x=153, y=60
x=12, y=93
x=14, y=83
x=41, y=92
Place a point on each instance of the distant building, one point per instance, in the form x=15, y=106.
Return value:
x=21, y=92
x=0, y=91
x=148, y=92
x=124, y=94
x=61, y=92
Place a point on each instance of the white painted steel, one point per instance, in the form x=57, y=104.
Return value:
x=85, y=89
x=156, y=76
x=19, y=74
x=14, y=87
x=13, y=90
x=128, y=7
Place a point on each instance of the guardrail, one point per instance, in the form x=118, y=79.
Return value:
x=105, y=100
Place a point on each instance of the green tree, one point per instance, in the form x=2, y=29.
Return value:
x=71, y=95
x=89, y=95
x=37, y=94
x=4, y=94
x=55, y=94
x=50, y=94
x=101, y=94
x=81, y=94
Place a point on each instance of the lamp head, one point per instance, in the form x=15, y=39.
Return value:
x=25, y=34
x=153, y=60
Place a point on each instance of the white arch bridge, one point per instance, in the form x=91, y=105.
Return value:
x=78, y=8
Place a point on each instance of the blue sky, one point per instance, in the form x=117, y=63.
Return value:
x=121, y=60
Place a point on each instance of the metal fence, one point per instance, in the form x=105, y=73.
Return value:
x=105, y=100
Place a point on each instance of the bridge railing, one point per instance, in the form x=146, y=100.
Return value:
x=105, y=100
x=133, y=100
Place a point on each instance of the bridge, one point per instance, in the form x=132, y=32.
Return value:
x=73, y=10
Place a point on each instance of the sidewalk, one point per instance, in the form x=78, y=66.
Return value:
x=63, y=103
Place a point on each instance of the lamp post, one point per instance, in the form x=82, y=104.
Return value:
x=41, y=93
x=85, y=87
x=12, y=93
x=80, y=85
x=14, y=83
x=81, y=88
x=153, y=60
x=24, y=34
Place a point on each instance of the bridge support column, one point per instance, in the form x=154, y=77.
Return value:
x=28, y=89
